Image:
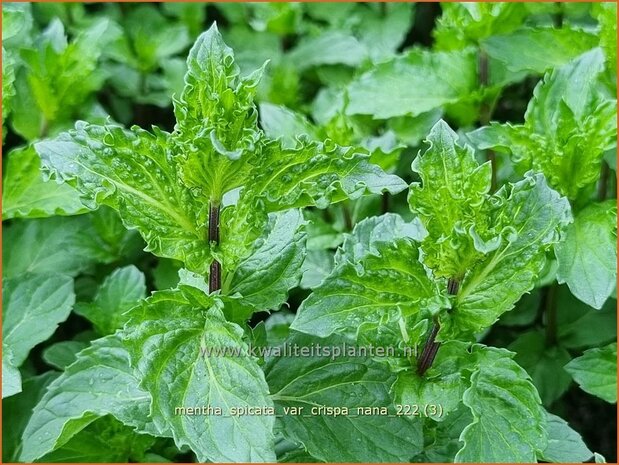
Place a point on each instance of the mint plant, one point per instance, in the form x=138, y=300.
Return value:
x=371, y=233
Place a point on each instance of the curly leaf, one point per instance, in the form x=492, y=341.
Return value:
x=134, y=173
x=178, y=346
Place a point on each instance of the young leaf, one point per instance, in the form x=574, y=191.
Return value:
x=596, y=372
x=32, y=307
x=87, y=390
x=387, y=285
x=454, y=184
x=509, y=423
x=120, y=291
x=27, y=195
x=564, y=444
x=569, y=124
x=180, y=351
x=264, y=279
x=587, y=256
x=348, y=382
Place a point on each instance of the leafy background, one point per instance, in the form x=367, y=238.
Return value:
x=375, y=75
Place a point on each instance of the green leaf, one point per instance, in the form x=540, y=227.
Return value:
x=170, y=340
x=67, y=245
x=105, y=440
x=442, y=385
x=580, y=326
x=120, y=291
x=8, y=88
x=11, y=377
x=62, y=354
x=379, y=287
x=265, y=277
x=587, y=256
x=279, y=121
x=328, y=48
x=544, y=364
x=133, y=172
x=538, y=50
x=27, y=195
x=18, y=409
x=509, y=424
x=606, y=14
x=528, y=217
x=419, y=81
x=58, y=78
x=564, y=444
x=569, y=124
x=464, y=24
x=454, y=183
x=442, y=439
x=596, y=372
x=349, y=382
x=87, y=390
x=33, y=305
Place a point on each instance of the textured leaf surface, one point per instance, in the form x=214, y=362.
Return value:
x=32, y=307
x=382, y=286
x=169, y=341
x=596, y=372
x=62, y=354
x=344, y=382
x=263, y=279
x=87, y=390
x=588, y=255
x=509, y=424
x=529, y=216
x=11, y=378
x=133, y=172
x=26, y=195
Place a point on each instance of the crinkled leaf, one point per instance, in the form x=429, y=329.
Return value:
x=450, y=201
x=596, y=372
x=26, y=195
x=87, y=390
x=509, y=424
x=569, y=124
x=120, y=291
x=32, y=307
x=383, y=286
x=135, y=173
x=564, y=444
x=587, y=256
x=529, y=217
x=419, y=81
x=169, y=340
x=345, y=382
x=264, y=278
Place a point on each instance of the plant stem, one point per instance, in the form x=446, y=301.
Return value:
x=384, y=202
x=550, y=305
x=214, y=283
x=430, y=349
x=603, y=185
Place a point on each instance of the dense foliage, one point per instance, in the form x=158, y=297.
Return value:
x=188, y=188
